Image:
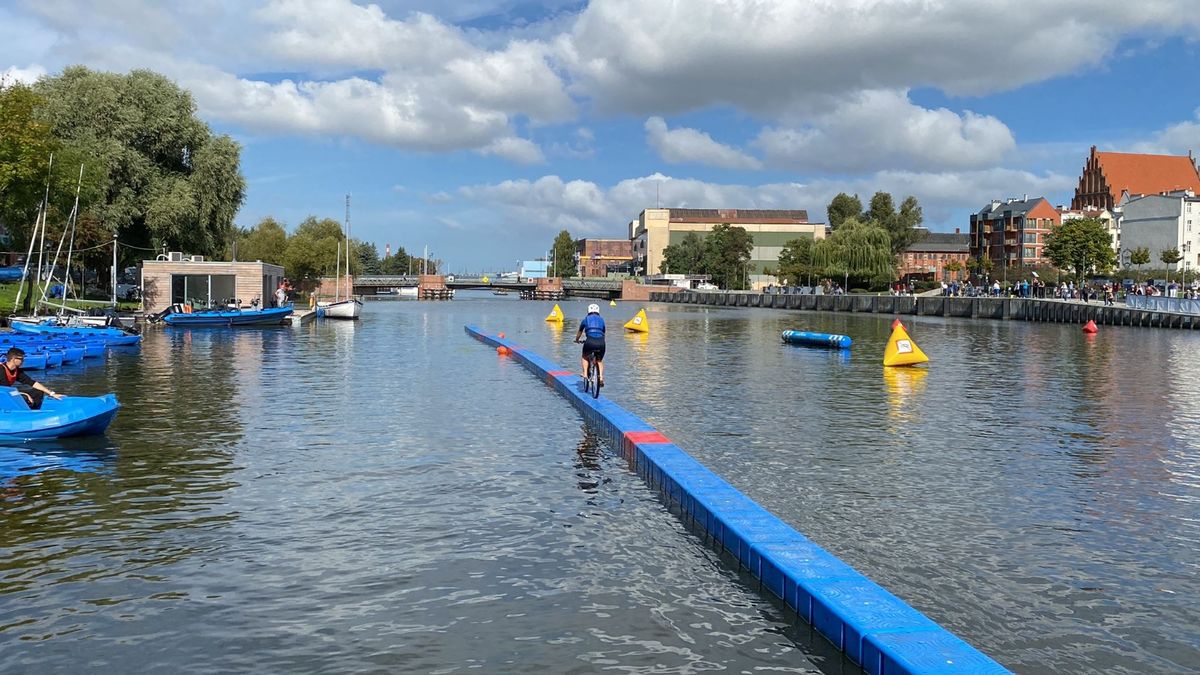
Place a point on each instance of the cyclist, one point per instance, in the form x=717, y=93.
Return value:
x=592, y=327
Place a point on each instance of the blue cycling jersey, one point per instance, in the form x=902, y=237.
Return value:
x=592, y=326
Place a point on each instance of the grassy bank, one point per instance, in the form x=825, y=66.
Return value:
x=8, y=298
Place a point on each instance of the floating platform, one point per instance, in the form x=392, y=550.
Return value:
x=871, y=626
x=830, y=340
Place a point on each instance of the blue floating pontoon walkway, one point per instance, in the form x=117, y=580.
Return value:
x=874, y=628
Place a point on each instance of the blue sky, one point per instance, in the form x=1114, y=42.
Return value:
x=482, y=128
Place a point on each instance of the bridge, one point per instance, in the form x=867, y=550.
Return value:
x=589, y=287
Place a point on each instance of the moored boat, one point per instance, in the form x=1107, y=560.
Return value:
x=71, y=416
x=344, y=309
x=229, y=317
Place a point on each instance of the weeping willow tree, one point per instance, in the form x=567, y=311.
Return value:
x=858, y=252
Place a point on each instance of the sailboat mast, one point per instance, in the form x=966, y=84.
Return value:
x=349, y=286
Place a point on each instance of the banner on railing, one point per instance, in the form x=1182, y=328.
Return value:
x=1158, y=303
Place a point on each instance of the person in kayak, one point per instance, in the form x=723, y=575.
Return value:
x=592, y=328
x=11, y=375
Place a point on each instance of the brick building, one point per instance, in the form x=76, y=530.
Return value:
x=1012, y=233
x=927, y=259
x=1109, y=175
x=596, y=256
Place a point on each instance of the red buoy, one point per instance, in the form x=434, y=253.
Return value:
x=1090, y=327
x=500, y=335
x=503, y=351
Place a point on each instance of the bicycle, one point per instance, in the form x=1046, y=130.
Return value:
x=592, y=382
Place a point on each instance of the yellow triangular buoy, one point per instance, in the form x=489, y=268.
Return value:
x=639, y=323
x=612, y=303
x=555, y=315
x=901, y=350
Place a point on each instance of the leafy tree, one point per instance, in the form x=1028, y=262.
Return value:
x=368, y=258
x=562, y=255
x=856, y=249
x=795, y=261
x=901, y=226
x=1170, y=257
x=396, y=263
x=267, y=241
x=1081, y=246
x=954, y=267
x=726, y=254
x=1139, y=256
x=842, y=208
x=312, y=249
x=163, y=178
x=686, y=257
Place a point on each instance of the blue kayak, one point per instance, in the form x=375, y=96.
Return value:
x=72, y=416
x=111, y=336
x=229, y=317
x=33, y=361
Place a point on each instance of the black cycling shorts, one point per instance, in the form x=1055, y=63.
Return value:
x=594, y=346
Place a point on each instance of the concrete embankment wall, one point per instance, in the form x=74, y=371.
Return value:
x=874, y=628
x=1024, y=309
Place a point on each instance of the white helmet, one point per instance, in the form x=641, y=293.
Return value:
x=593, y=308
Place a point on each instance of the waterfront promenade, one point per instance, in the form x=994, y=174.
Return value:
x=1021, y=309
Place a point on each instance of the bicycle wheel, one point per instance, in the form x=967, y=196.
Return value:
x=594, y=377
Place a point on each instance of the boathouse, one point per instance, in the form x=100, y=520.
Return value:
x=190, y=279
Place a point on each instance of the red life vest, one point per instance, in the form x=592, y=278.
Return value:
x=9, y=376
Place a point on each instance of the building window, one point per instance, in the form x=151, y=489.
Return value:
x=1030, y=252
x=1030, y=238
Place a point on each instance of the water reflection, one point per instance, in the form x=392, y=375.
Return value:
x=905, y=389
x=80, y=455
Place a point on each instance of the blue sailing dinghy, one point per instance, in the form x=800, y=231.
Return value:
x=72, y=416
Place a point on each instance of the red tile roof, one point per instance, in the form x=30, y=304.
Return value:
x=1147, y=174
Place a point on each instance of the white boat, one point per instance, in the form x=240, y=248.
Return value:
x=351, y=307
x=408, y=291
x=343, y=309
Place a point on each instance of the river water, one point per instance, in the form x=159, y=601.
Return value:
x=391, y=495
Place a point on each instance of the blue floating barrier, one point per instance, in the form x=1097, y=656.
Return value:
x=801, y=337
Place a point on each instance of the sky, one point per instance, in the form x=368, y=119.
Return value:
x=482, y=128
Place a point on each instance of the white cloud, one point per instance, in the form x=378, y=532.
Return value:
x=1177, y=139
x=516, y=149
x=883, y=129
x=683, y=145
x=826, y=78
x=27, y=75
x=656, y=56
x=550, y=204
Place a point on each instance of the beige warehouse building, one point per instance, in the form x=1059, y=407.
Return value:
x=771, y=230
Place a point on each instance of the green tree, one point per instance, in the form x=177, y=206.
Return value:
x=727, y=255
x=1170, y=257
x=267, y=241
x=685, y=257
x=562, y=255
x=1080, y=247
x=856, y=251
x=1139, y=256
x=795, y=262
x=954, y=267
x=312, y=250
x=164, y=178
x=902, y=226
x=397, y=263
x=368, y=258
x=842, y=208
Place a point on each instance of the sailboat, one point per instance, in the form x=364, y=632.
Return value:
x=351, y=307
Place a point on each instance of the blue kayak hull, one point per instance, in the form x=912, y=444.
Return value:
x=72, y=416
